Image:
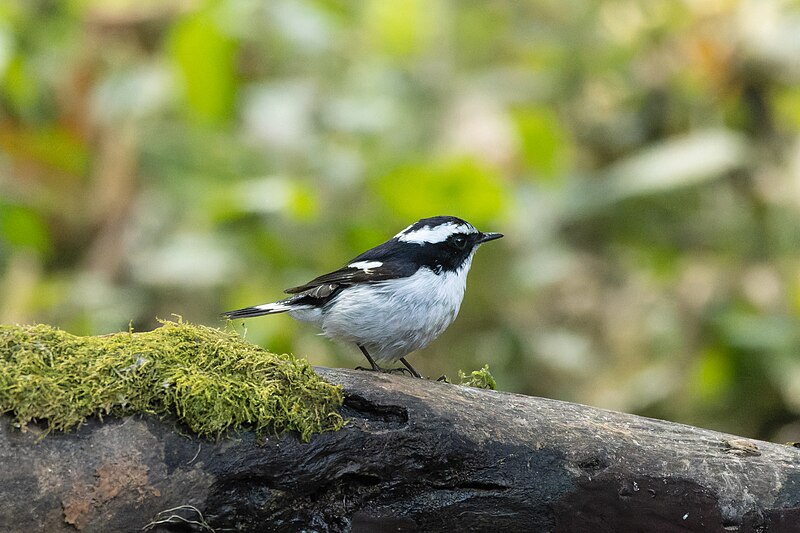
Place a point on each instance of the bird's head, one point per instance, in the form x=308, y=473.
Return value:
x=444, y=241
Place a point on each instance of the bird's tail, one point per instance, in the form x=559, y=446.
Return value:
x=258, y=310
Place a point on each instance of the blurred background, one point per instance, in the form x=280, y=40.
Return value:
x=188, y=157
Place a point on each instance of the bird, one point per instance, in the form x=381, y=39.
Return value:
x=393, y=299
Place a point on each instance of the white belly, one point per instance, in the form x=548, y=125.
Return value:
x=395, y=317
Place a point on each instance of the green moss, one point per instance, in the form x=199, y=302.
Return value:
x=211, y=380
x=480, y=379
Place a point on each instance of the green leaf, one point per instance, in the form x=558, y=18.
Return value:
x=544, y=141
x=460, y=187
x=480, y=379
x=402, y=28
x=712, y=375
x=54, y=146
x=206, y=58
x=787, y=106
x=751, y=331
x=22, y=227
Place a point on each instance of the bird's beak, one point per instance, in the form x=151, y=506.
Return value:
x=485, y=237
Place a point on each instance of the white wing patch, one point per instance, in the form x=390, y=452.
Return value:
x=366, y=266
x=431, y=235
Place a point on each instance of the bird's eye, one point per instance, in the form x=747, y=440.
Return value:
x=460, y=241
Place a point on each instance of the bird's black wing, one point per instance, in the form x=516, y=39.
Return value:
x=385, y=261
x=326, y=284
x=319, y=291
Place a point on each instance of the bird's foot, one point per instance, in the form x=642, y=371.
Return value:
x=410, y=368
x=385, y=370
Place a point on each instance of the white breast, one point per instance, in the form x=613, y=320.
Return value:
x=395, y=317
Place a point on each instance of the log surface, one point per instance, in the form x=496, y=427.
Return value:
x=416, y=456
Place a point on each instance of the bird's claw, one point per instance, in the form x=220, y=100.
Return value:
x=386, y=370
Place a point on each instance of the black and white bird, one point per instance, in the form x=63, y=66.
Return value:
x=392, y=299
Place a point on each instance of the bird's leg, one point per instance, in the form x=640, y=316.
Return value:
x=376, y=368
x=372, y=362
x=410, y=368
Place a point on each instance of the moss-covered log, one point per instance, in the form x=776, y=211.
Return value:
x=210, y=380
x=416, y=455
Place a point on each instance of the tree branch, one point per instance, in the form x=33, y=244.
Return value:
x=416, y=456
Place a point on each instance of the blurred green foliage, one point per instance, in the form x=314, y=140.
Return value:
x=464, y=184
x=165, y=156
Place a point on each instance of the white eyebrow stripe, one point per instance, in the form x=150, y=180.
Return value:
x=365, y=265
x=429, y=235
x=405, y=230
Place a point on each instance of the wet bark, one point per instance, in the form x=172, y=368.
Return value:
x=416, y=456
